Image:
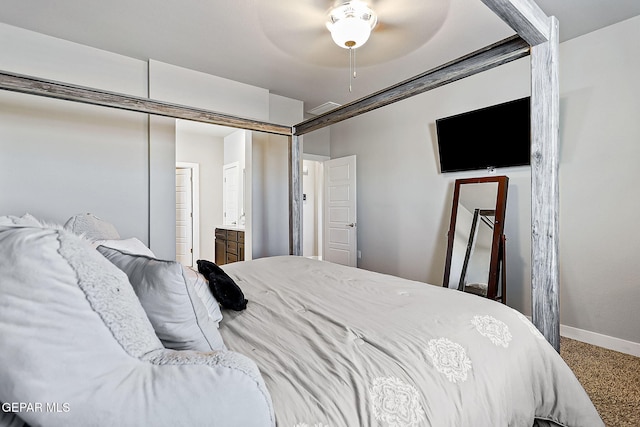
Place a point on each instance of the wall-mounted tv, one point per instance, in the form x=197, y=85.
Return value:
x=491, y=137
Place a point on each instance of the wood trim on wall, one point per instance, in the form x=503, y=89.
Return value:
x=52, y=89
x=483, y=59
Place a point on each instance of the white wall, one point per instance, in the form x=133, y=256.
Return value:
x=162, y=181
x=270, y=191
x=234, y=148
x=260, y=237
x=404, y=202
x=188, y=87
x=599, y=174
x=270, y=159
x=34, y=54
x=317, y=142
x=59, y=158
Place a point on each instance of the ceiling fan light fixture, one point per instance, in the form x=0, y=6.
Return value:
x=350, y=24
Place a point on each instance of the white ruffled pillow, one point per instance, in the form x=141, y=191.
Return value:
x=24, y=220
x=131, y=245
x=169, y=293
x=91, y=227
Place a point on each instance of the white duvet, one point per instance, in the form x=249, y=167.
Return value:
x=339, y=346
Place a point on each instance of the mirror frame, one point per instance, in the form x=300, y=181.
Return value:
x=497, y=245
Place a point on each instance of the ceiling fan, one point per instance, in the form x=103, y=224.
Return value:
x=350, y=23
x=300, y=28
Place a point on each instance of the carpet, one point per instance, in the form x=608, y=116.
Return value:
x=611, y=379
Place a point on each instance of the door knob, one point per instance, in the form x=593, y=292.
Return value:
x=353, y=224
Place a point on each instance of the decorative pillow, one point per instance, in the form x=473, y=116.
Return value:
x=132, y=246
x=167, y=292
x=74, y=337
x=91, y=227
x=68, y=318
x=223, y=288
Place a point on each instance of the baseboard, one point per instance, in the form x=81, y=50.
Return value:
x=612, y=343
x=594, y=338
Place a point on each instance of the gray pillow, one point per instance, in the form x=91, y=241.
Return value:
x=168, y=292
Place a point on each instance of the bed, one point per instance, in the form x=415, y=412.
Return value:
x=121, y=337
x=340, y=346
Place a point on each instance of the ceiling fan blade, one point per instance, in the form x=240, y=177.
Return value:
x=298, y=28
x=383, y=26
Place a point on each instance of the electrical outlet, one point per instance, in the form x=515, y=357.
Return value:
x=359, y=254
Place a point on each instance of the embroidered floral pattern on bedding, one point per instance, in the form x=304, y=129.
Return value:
x=494, y=329
x=530, y=325
x=449, y=358
x=396, y=402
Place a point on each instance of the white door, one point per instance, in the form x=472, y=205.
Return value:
x=231, y=193
x=184, y=217
x=340, y=236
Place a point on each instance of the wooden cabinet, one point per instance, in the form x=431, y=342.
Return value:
x=221, y=246
x=229, y=245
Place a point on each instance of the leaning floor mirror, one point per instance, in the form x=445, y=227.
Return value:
x=476, y=244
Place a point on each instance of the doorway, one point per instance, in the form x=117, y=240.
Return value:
x=329, y=224
x=312, y=208
x=313, y=205
x=340, y=211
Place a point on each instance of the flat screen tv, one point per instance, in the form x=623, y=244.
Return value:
x=491, y=137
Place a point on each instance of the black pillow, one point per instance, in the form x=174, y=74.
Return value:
x=224, y=289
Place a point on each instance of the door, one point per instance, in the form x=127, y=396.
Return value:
x=231, y=193
x=184, y=216
x=340, y=236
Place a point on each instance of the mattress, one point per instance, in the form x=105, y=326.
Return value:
x=341, y=346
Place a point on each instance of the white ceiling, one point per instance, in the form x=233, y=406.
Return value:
x=283, y=46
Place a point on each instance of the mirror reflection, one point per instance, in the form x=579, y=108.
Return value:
x=475, y=251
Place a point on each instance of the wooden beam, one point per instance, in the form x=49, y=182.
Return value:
x=524, y=16
x=52, y=89
x=545, y=113
x=295, y=196
x=484, y=59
